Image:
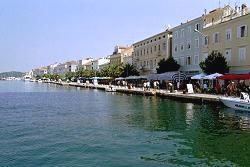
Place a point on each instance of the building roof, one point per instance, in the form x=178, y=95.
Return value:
x=167, y=31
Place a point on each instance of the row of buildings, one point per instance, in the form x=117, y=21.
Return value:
x=223, y=30
x=121, y=55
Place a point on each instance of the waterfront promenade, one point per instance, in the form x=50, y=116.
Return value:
x=177, y=95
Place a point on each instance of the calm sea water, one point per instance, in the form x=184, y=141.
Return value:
x=48, y=125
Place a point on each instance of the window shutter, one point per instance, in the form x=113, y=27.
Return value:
x=238, y=32
x=246, y=31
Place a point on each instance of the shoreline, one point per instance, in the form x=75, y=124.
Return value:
x=179, y=96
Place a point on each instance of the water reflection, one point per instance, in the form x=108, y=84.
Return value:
x=193, y=135
x=189, y=113
x=239, y=120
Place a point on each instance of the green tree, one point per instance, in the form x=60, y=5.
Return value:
x=215, y=63
x=167, y=65
x=129, y=70
x=70, y=75
x=112, y=71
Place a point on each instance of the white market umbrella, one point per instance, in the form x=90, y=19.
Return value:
x=212, y=76
x=199, y=76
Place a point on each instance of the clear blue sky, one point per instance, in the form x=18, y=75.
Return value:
x=35, y=33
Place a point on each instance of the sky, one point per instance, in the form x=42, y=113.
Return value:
x=36, y=33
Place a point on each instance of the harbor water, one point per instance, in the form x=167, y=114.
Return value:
x=47, y=125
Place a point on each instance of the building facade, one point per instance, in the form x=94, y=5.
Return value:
x=39, y=71
x=81, y=64
x=120, y=54
x=51, y=68
x=187, y=44
x=230, y=36
x=63, y=68
x=99, y=63
x=148, y=52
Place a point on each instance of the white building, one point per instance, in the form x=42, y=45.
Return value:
x=63, y=68
x=187, y=44
x=51, y=68
x=82, y=64
x=100, y=62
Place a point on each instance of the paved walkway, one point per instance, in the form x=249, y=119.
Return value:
x=208, y=98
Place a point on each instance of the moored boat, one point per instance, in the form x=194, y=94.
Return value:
x=237, y=103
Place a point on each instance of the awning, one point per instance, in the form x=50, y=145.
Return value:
x=136, y=78
x=199, y=76
x=235, y=77
x=212, y=76
x=169, y=76
x=179, y=76
x=120, y=78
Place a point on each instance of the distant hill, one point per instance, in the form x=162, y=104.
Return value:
x=11, y=74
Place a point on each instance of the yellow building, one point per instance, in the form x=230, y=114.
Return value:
x=148, y=52
x=230, y=36
x=120, y=54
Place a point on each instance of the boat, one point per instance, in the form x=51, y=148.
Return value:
x=110, y=89
x=238, y=103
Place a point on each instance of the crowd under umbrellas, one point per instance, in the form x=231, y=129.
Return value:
x=226, y=84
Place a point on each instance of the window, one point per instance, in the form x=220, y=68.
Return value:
x=189, y=44
x=151, y=64
x=205, y=40
x=228, y=53
x=228, y=34
x=176, y=48
x=196, y=59
x=144, y=64
x=205, y=55
x=189, y=29
x=176, y=34
x=155, y=48
x=182, y=33
x=197, y=43
x=164, y=45
x=216, y=37
x=242, y=31
x=141, y=52
x=177, y=60
x=242, y=53
x=182, y=61
x=159, y=47
x=188, y=60
x=155, y=62
x=197, y=26
x=144, y=51
x=147, y=50
x=182, y=47
x=151, y=50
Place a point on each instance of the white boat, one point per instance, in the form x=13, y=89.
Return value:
x=242, y=103
x=40, y=81
x=110, y=89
